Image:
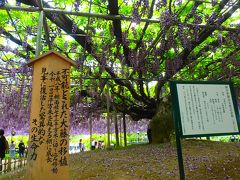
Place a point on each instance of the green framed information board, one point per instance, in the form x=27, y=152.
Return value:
x=203, y=108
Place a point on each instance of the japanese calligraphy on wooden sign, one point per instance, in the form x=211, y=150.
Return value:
x=206, y=108
x=48, y=153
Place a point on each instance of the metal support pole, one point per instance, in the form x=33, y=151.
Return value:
x=108, y=118
x=179, y=154
x=124, y=130
x=39, y=34
x=90, y=130
x=116, y=129
x=177, y=133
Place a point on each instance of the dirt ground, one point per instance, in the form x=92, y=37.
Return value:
x=202, y=160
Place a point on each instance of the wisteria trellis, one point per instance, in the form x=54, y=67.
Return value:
x=133, y=47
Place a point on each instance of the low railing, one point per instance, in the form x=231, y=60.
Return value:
x=11, y=164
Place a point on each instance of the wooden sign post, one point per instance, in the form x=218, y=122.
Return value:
x=48, y=147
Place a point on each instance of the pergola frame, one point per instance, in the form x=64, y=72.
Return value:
x=42, y=23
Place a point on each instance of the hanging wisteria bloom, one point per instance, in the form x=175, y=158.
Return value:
x=74, y=28
x=18, y=3
x=167, y=19
x=54, y=16
x=135, y=15
x=74, y=47
x=76, y=5
x=28, y=30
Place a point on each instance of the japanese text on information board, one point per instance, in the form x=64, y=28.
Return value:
x=206, y=109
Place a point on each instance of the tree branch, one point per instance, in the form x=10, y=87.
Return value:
x=150, y=14
x=15, y=40
x=117, y=29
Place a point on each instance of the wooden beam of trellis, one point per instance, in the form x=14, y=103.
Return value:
x=59, y=11
x=107, y=17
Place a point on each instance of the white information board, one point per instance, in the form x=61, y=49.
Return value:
x=206, y=109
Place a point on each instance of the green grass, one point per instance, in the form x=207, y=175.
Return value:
x=74, y=139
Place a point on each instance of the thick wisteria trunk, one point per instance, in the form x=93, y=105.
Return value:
x=161, y=124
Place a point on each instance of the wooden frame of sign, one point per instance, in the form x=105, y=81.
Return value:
x=203, y=108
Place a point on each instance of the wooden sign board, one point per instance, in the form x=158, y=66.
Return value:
x=48, y=148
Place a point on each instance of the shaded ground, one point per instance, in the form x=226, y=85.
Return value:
x=202, y=160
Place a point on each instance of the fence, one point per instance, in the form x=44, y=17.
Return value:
x=11, y=164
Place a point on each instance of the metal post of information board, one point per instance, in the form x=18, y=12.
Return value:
x=177, y=131
x=179, y=152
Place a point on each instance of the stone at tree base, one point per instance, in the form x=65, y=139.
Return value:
x=162, y=123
